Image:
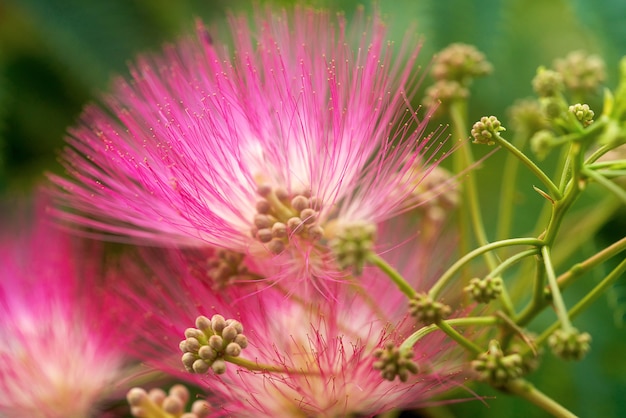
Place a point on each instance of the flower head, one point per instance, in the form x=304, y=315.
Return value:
x=259, y=151
x=58, y=354
x=286, y=355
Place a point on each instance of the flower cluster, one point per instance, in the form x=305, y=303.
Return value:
x=276, y=172
x=59, y=352
x=265, y=152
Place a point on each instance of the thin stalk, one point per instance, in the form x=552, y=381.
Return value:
x=557, y=298
x=507, y=191
x=257, y=367
x=460, y=339
x=580, y=268
x=538, y=298
x=511, y=261
x=607, y=184
x=458, y=114
x=526, y=390
x=395, y=277
x=457, y=322
x=584, y=303
x=554, y=190
x=449, y=274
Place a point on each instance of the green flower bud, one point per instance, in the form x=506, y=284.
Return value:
x=428, y=311
x=484, y=290
x=541, y=143
x=392, y=362
x=547, y=83
x=583, y=113
x=570, y=344
x=497, y=369
x=460, y=62
x=486, y=129
x=582, y=73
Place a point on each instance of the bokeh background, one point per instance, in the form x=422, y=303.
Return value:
x=57, y=55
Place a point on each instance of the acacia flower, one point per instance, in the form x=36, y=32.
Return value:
x=276, y=354
x=58, y=354
x=266, y=150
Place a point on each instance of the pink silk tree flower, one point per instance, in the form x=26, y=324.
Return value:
x=292, y=356
x=266, y=149
x=59, y=355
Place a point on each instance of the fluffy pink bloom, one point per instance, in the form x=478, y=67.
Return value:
x=262, y=150
x=322, y=348
x=58, y=354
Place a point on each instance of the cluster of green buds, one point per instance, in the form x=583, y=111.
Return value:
x=486, y=129
x=570, y=344
x=484, y=290
x=158, y=404
x=497, y=369
x=211, y=343
x=393, y=361
x=453, y=69
x=352, y=245
x=578, y=75
x=581, y=72
x=583, y=113
x=428, y=311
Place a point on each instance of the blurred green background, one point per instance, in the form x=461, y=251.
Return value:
x=57, y=55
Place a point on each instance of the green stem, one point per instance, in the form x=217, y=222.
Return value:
x=449, y=274
x=584, y=303
x=458, y=322
x=512, y=260
x=538, y=299
x=559, y=304
x=583, y=227
x=526, y=390
x=580, y=268
x=505, y=299
x=396, y=277
x=556, y=193
x=458, y=112
x=460, y=339
x=507, y=191
x=254, y=366
x=607, y=184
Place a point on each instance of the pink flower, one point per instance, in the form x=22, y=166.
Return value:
x=266, y=150
x=300, y=357
x=58, y=354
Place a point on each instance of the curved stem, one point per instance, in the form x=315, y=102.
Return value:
x=395, y=277
x=556, y=193
x=458, y=322
x=449, y=274
x=526, y=390
x=512, y=260
x=460, y=339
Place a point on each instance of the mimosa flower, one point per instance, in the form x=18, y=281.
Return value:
x=292, y=357
x=264, y=150
x=58, y=353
